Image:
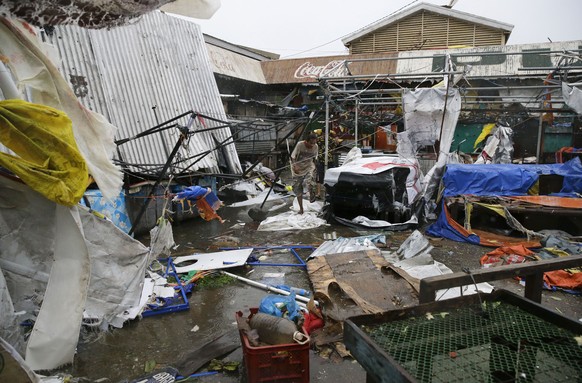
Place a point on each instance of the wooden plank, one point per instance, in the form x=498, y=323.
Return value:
x=429, y=286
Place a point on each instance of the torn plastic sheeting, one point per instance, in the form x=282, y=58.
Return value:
x=415, y=245
x=162, y=238
x=118, y=264
x=345, y=245
x=47, y=158
x=572, y=97
x=45, y=85
x=199, y=9
x=291, y=220
x=27, y=239
x=419, y=264
x=135, y=310
x=9, y=321
x=381, y=224
x=273, y=196
x=54, y=337
x=445, y=226
x=487, y=128
x=499, y=147
x=425, y=124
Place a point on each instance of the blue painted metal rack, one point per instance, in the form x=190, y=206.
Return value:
x=185, y=305
x=292, y=248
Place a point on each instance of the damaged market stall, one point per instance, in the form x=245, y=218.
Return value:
x=374, y=192
x=499, y=204
x=163, y=99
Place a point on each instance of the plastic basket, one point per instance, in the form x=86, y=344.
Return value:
x=282, y=363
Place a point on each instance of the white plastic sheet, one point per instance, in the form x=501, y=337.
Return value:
x=423, y=120
x=53, y=340
x=162, y=239
x=88, y=262
x=499, y=147
x=198, y=9
x=415, y=259
x=212, y=261
x=345, y=245
x=572, y=97
x=291, y=220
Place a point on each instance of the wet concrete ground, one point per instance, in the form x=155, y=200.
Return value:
x=122, y=354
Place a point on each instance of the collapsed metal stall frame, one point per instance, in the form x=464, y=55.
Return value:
x=544, y=97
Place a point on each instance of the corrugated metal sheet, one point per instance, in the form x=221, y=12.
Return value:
x=159, y=61
x=426, y=30
x=446, y=13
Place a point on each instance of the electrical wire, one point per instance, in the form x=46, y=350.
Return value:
x=348, y=34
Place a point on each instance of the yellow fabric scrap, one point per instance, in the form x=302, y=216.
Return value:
x=47, y=158
x=468, y=211
x=487, y=128
x=496, y=208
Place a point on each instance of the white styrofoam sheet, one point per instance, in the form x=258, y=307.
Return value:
x=211, y=261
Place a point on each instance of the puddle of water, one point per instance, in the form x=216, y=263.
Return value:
x=123, y=353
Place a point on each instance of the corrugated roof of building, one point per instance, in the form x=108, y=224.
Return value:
x=432, y=8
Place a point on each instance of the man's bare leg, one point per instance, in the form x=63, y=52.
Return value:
x=300, y=202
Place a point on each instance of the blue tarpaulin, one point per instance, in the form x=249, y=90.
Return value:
x=507, y=179
x=497, y=180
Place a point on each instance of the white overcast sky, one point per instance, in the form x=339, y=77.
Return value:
x=303, y=28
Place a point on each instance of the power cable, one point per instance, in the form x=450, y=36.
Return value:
x=347, y=34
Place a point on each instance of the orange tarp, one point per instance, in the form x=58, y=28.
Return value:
x=545, y=200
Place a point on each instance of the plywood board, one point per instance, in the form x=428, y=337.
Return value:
x=357, y=283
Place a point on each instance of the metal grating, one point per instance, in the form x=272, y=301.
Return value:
x=502, y=343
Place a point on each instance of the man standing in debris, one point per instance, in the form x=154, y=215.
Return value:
x=303, y=168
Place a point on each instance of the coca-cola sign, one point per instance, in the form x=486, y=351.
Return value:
x=334, y=68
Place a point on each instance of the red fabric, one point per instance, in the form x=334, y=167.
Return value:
x=563, y=279
x=506, y=255
x=312, y=322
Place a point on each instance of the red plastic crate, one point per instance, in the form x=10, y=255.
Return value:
x=282, y=363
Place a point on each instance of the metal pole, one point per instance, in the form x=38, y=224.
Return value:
x=356, y=123
x=326, y=132
x=540, y=129
x=158, y=181
x=302, y=300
